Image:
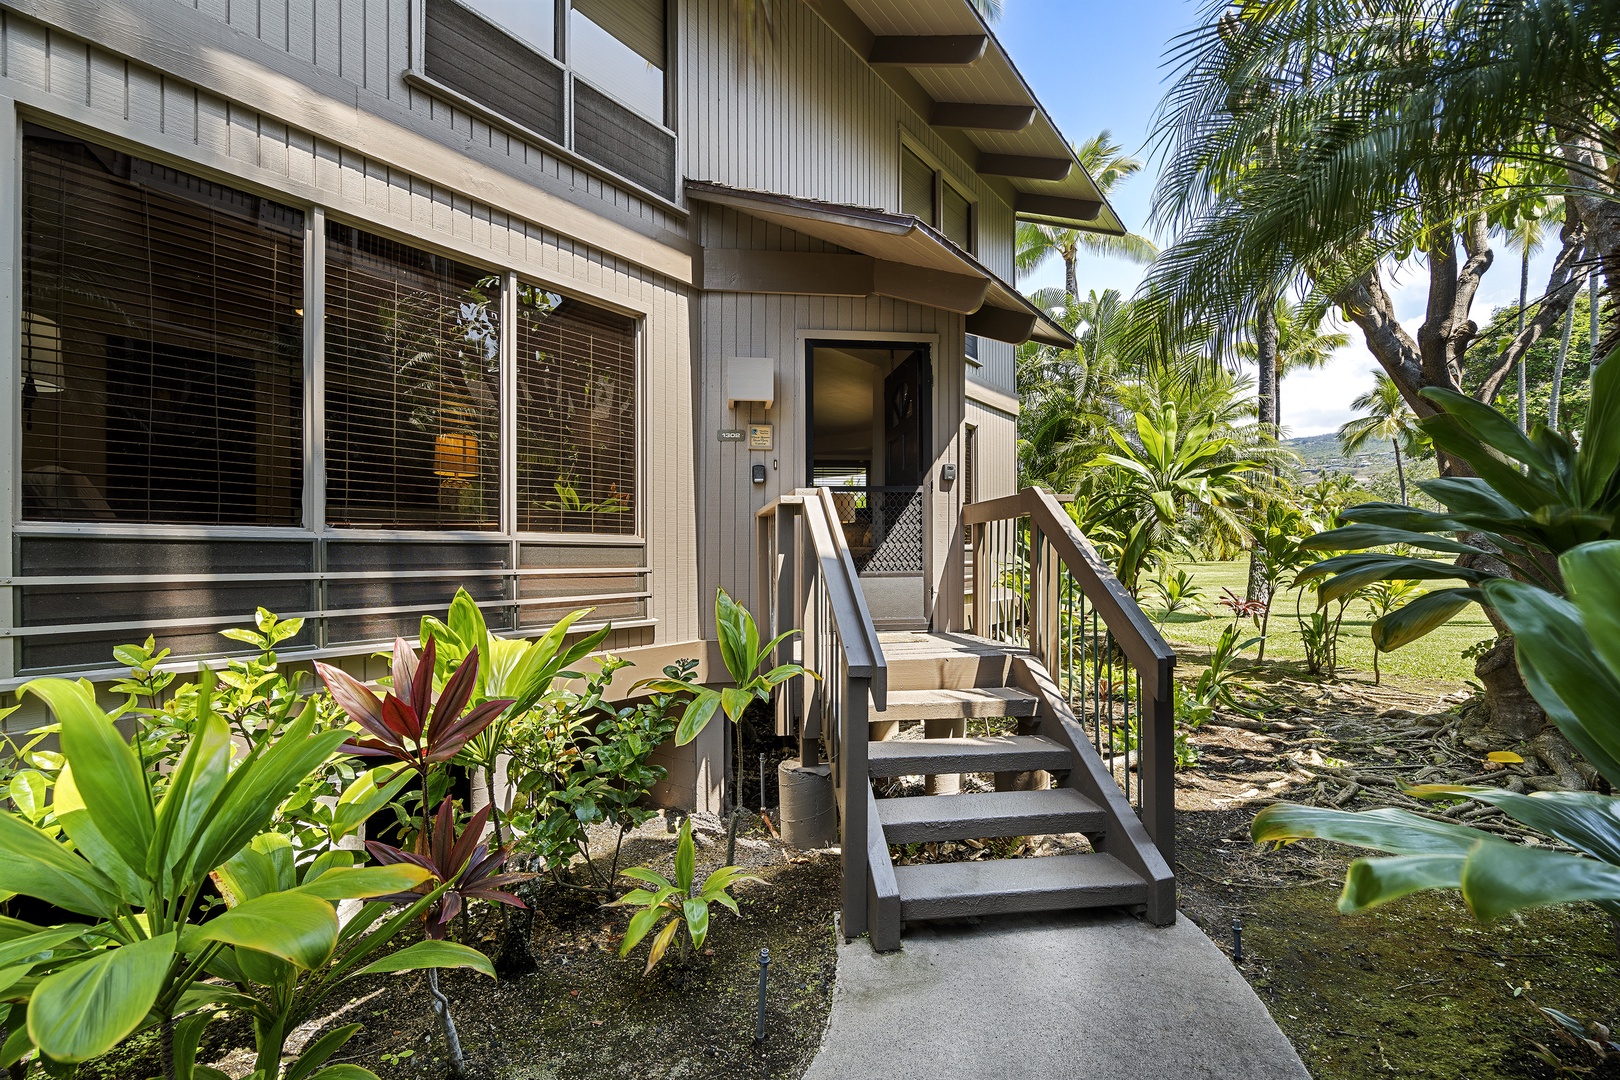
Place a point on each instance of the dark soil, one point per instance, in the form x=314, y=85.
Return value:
x=588, y=1015
x=1415, y=988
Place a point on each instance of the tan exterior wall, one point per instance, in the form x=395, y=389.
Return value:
x=996, y=467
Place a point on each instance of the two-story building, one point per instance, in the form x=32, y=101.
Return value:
x=335, y=306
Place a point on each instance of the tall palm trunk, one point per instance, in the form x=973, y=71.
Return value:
x=1558, y=371
x=1592, y=295
x=1265, y=359
x=1524, y=297
x=1071, y=278
x=1400, y=471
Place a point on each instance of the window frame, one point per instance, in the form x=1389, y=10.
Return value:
x=313, y=528
x=943, y=178
x=417, y=75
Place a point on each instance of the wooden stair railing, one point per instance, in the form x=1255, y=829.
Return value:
x=1039, y=585
x=807, y=581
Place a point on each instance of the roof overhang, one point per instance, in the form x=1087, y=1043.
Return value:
x=943, y=59
x=894, y=255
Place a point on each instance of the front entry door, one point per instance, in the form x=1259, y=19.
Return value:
x=904, y=407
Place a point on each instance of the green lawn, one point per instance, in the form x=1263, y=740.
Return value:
x=1434, y=662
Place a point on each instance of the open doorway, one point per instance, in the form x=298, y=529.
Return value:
x=869, y=441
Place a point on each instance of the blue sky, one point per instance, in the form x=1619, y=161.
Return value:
x=1100, y=65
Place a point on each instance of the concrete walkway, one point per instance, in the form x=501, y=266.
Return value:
x=1077, y=995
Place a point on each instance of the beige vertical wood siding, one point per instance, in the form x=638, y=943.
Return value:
x=997, y=451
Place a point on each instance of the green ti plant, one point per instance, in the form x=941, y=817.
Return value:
x=1175, y=591
x=520, y=672
x=131, y=848
x=1383, y=597
x=676, y=904
x=751, y=680
x=1533, y=499
x=1569, y=654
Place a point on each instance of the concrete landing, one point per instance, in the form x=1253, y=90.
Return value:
x=1080, y=995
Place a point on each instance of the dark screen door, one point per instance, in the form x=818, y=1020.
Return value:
x=905, y=420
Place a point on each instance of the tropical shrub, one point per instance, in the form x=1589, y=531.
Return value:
x=1569, y=654
x=1533, y=499
x=132, y=847
x=1175, y=590
x=674, y=904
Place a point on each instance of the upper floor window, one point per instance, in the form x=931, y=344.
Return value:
x=534, y=22
x=588, y=75
x=926, y=193
x=620, y=46
x=162, y=344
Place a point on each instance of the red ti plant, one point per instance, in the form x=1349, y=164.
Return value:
x=465, y=861
x=406, y=723
x=471, y=870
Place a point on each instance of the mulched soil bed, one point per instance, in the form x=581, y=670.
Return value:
x=1416, y=988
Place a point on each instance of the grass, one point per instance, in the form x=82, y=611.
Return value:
x=1434, y=662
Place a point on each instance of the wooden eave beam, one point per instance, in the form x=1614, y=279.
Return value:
x=808, y=273
x=941, y=50
x=1025, y=168
x=1058, y=206
x=966, y=114
x=1002, y=324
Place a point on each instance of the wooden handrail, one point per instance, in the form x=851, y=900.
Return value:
x=1045, y=612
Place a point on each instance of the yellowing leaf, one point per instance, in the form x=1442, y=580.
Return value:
x=1504, y=757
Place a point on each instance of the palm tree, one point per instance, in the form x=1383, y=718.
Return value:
x=1302, y=345
x=1037, y=244
x=1388, y=416
x=1388, y=131
x=1526, y=235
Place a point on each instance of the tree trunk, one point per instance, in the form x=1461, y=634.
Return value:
x=1071, y=280
x=1265, y=358
x=1524, y=299
x=1513, y=715
x=1558, y=370
x=1400, y=472
x=1592, y=295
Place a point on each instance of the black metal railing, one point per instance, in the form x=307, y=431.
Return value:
x=1038, y=585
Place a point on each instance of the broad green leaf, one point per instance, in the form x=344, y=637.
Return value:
x=295, y=926
x=735, y=702
x=1499, y=878
x=641, y=873
x=33, y=864
x=109, y=772
x=1581, y=819
x=1399, y=832
x=368, y=793
x=31, y=945
x=431, y=954
x=685, y=858
x=699, y=711
x=1356, y=537
x=87, y=1008
x=365, y=882
x=732, y=623
x=10, y=976
x=1592, y=572
x=1370, y=882
x=697, y=920
x=27, y=790
x=641, y=925
x=345, y=1071
x=244, y=806
x=1600, y=441
x=250, y=873
x=196, y=780
x=1413, y=620
x=316, y=1053
x=1562, y=671
x=1490, y=428
x=188, y=1035
x=75, y=820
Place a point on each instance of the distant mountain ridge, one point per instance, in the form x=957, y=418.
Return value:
x=1320, y=454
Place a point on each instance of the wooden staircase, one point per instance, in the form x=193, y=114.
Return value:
x=1042, y=778
x=1070, y=680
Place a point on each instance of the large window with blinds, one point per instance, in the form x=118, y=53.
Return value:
x=412, y=386
x=576, y=417
x=162, y=344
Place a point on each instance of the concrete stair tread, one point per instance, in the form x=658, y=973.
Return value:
x=974, y=754
x=998, y=886
x=930, y=818
x=969, y=702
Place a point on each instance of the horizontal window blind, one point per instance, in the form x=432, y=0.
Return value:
x=162, y=344
x=576, y=417
x=412, y=386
